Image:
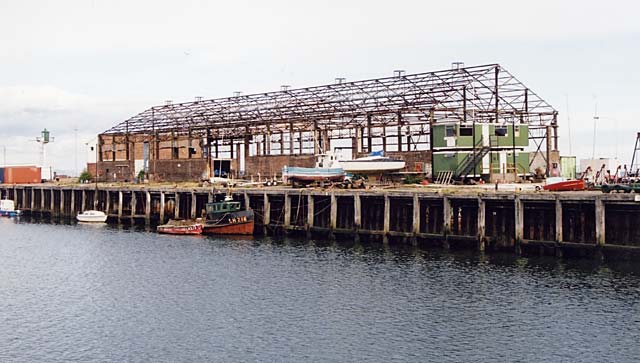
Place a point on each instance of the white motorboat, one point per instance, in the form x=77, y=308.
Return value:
x=374, y=163
x=7, y=208
x=92, y=216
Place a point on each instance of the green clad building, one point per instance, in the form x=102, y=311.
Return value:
x=467, y=150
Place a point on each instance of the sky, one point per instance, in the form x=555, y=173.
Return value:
x=79, y=67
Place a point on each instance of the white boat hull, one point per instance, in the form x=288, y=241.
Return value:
x=372, y=166
x=92, y=217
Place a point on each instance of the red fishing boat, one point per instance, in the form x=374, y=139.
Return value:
x=565, y=186
x=227, y=218
x=180, y=227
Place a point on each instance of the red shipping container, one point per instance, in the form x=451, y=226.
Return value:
x=22, y=175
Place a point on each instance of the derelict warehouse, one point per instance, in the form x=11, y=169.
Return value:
x=477, y=121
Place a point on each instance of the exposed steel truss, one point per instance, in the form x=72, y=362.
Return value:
x=486, y=93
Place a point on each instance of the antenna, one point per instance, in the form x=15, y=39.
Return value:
x=566, y=95
x=595, y=118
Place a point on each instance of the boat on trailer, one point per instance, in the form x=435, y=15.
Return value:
x=228, y=218
x=180, y=227
x=327, y=169
x=375, y=163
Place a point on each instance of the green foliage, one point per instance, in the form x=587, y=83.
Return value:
x=141, y=175
x=85, y=176
x=412, y=179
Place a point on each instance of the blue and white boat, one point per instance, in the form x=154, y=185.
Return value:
x=8, y=208
x=326, y=169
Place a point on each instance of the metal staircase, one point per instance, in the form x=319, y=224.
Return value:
x=471, y=160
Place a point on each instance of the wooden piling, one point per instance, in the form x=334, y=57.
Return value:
x=310, y=214
x=147, y=208
x=415, y=226
x=447, y=214
x=266, y=210
x=518, y=208
x=134, y=202
x=176, y=207
x=558, y=231
x=161, y=221
x=120, y=202
x=193, y=205
x=600, y=221
x=482, y=220
x=287, y=211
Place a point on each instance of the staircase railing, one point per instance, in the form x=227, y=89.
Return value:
x=472, y=159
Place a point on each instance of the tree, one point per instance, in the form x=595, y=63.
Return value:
x=85, y=176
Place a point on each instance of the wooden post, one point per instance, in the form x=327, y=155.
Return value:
x=386, y=219
x=558, y=220
x=447, y=214
x=357, y=216
x=600, y=219
x=120, y=202
x=287, y=210
x=247, y=201
x=519, y=224
x=107, y=203
x=416, y=219
x=482, y=210
x=176, y=207
x=73, y=202
x=147, y=208
x=161, y=207
x=42, y=200
x=51, y=203
x=134, y=201
x=84, y=200
x=63, y=210
x=266, y=210
x=193, y=206
x=310, y=214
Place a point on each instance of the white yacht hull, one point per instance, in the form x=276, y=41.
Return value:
x=372, y=166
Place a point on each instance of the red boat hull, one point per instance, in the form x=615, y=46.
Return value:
x=192, y=229
x=230, y=228
x=565, y=186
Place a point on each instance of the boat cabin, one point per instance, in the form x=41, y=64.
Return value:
x=215, y=210
x=7, y=205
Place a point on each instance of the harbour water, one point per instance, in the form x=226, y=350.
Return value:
x=71, y=292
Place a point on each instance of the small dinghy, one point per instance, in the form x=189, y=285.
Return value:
x=185, y=226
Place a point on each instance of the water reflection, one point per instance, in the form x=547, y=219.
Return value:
x=125, y=293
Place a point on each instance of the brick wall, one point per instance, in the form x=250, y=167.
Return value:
x=271, y=165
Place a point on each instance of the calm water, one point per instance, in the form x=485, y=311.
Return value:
x=90, y=293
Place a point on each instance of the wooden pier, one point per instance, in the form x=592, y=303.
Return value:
x=586, y=224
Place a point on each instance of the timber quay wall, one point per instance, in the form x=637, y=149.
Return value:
x=586, y=224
